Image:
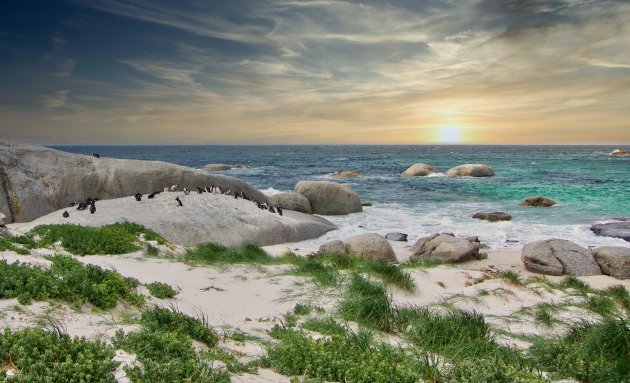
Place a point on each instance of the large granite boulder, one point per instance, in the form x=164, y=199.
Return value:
x=221, y=167
x=329, y=198
x=559, y=257
x=614, y=261
x=613, y=229
x=470, y=170
x=538, y=202
x=335, y=246
x=345, y=174
x=207, y=217
x=291, y=201
x=445, y=248
x=370, y=246
x=420, y=170
x=36, y=181
x=494, y=216
x=620, y=152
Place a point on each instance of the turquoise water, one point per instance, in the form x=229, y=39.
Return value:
x=590, y=185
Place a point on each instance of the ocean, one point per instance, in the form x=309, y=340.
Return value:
x=589, y=184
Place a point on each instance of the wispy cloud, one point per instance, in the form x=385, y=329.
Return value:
x=56, y=101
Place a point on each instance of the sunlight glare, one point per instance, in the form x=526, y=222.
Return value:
x=450, y=134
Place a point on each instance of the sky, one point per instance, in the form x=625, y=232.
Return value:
x=315, y=71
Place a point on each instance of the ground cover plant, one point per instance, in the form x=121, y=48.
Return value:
x=69, y=280
x=35, y=355
x=171, y=320
x=117, y=238
x=161, y=290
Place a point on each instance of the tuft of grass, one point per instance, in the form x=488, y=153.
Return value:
x=391, y=275
x=543, y=314
x=601, y=305
x=211, y=253
x=510, y=276
x=574, y=283
x=322, y=274
x=301, y=309
x=171, y=320
x=416, y=263
x=43, y=356
x=326, y=326
x=69, y=280
x=161, y=290
x=590, y=352
x=367, y=303
x=620, y=294
x=117, y=238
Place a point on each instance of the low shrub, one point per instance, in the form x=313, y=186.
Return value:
x=161, y=290
x=211, y=253
x=162, y=319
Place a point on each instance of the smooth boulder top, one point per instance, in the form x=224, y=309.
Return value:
x=401, y=237
x=470, y=170
x=620, y=152
x=329, y=198
x=559, y=257
x=445, y=248
x=370, y=246
x=613, y=229
x=419, y=170
x=538, y=201
x=494, y=216
x=207, y=217
x=37, y=180
x=614, y=261
x=345, y=174
x=221, y=167
x=292, y=201
x=333, y=247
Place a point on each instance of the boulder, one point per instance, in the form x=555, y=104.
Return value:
x=470, y=170
x=614, y=261
x=2, y=217
x=402, y=237
x=291, y=201
x=207, y=217
x=559, y=257
x=221, y=167
x=446, y=248
x=620, y=152
x=613, y=229
x=36, y=181
x=329, y=198
x=345, y=174
x=538, y=202
x=370, y=246
x=335, y=246
x=494, y=216
x=419, y=170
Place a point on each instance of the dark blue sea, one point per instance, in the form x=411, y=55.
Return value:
x=589, y=184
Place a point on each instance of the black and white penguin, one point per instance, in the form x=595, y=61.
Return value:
x=152, y=195
x=271, y=209
x=93, y=207
x=66, y=214
x=174, y=187
x=219, y=190
x=81, y=206
x=138, y=196
x=208, y=189
x=279, y=209
x=199, y=190
x=186, y=191
x=179, y=201
x=235, y=195
x=96, y=155
x=73, y=203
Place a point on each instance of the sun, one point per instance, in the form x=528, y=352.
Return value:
x=450, y=134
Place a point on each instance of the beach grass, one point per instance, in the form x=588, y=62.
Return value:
x=172, y=320
x=367, y=303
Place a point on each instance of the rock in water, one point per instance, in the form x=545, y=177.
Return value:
x=559, y=257
x=221, y=167
x=538, y=202
x=446, y=248
x=370, y=246
x=494, y=216
x=292, y=201
x=402, y=237
x=470, y=170
x=40, y=180
x=613, y=229
x=345, y=174
x=614, y=261
x=329, y=198
x=419, y=170
x=335, y=246
x=620, y=152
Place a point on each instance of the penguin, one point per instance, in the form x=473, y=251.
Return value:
x=279, y=209
x=92, y=207
x=271, y=209
x=72, y=204
x=152, y=195
x=219, y=190
x=81, y=206
x=66, y=214
x=138, y=196
x=186, y=191
x=235, y=195
x=96, y=155
x=179, y=201
x=208, y=189
x=174, y=187
x=199, y=190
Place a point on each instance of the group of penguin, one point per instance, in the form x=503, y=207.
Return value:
x=91, y=202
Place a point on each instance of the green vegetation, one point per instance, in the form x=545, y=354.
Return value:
x=510, y=276
x=161, y=290
x=210, y=253
x=68, y=280
x=367, y=303
x=590, y=352
x=575, y=284
x=42, y=356
x=326, y=326
x=171, y=320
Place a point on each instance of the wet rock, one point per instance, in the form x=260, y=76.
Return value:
x=221, y=167
x=620, y=152
x=402, y=237
x=613, y=229
x=471, y=170
x=494, y=216
x=345, y=174
x=419, y=170
x=538, y=202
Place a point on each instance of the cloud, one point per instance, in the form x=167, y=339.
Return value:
x=56, y=101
